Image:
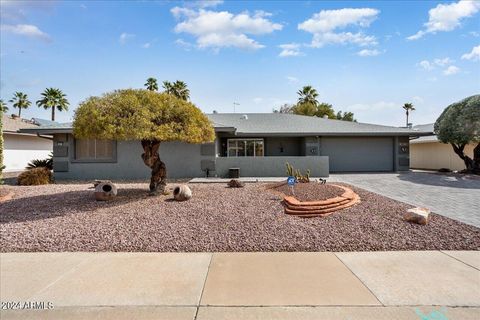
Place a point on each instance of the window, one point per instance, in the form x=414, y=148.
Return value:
x=245, y=148
x=94, y=150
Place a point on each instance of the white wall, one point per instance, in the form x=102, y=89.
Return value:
x=19, y=150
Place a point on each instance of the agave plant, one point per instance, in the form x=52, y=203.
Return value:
x=41, y=163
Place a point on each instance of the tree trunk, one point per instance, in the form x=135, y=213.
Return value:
x=19, y=111
x=407, y=119
x=476, y=159
x=469, y=163
x=151, y=158
x=53, y=113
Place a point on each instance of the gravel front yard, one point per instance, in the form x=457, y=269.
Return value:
x=65, y=217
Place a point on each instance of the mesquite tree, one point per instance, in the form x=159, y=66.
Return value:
x=147, y=116
x=459, y=125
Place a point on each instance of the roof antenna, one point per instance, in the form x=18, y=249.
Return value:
x=235, y=104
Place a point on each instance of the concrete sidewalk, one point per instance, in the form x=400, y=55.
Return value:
x=270, y=285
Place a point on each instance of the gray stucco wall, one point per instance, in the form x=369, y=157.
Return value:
x=272, y=166
x=283, y=146
x=182, y=161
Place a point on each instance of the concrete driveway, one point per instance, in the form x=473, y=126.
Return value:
x=453, y=196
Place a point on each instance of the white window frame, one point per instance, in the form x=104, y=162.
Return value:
x=245, y=147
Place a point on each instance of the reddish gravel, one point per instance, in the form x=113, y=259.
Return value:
x=66, y=218
x=310, y=191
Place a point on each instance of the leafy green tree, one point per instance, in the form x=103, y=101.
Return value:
x=178, y=88
x=307, y=94
x=459, y=125
x=144, y=115
x=345, y=116
x=53, y=98
x=314, y=110
x=3, y=106
x=20, y=101
x=408, y=107
x=151, y=84
x=325, y=109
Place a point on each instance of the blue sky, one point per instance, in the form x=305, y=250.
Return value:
x=361, y=56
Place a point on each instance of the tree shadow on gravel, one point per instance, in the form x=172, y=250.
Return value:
x=452, y=180
x=60, y=204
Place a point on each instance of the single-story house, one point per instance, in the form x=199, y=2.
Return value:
x=259, y=144
x=22, y=147
x=429, y=153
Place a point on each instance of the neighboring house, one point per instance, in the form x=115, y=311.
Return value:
x=259, y=144
x=431, y=154
x=21, y=148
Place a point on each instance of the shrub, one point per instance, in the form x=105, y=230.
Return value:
x=34, y=177
x=41, y=163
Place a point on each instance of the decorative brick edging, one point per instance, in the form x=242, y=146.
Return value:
x=321, y=208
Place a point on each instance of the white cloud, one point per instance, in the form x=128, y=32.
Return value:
x=425, y=64
x=292, y=79
x=290, y=50
x=443, y=62
x=451, y=70
x=368, y=53
x=218, y=29
x=125, y=37
x=27, y=30
x=147, y=45
x=184, y=44
x=474, y=55
x=439, y=62
x=323, y=26
x=447, y=17
x=474, y=34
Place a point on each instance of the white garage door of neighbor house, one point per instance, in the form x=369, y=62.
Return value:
x=358, y=154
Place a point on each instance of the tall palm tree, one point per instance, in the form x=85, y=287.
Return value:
x=151, y=84
x=3, y=106
x=53, y=98
x=408, y=107
x=307, y=94
x=20, y=101
x=178, y=88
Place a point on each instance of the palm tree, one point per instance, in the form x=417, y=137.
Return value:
x=178, y=88
x=3, y=106
x=308, y=94
x=53, y=98
x=408, y=107
x=151, y=84
x=20, y=101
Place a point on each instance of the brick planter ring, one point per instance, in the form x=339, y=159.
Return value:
x=320, y=208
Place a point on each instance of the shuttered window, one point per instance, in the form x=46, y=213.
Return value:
x=94, y=150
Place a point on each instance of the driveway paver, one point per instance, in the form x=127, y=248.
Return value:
x=335, y=313
x=455, y=197
x=132, y=279
x=266, y=279
x=416, y=277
